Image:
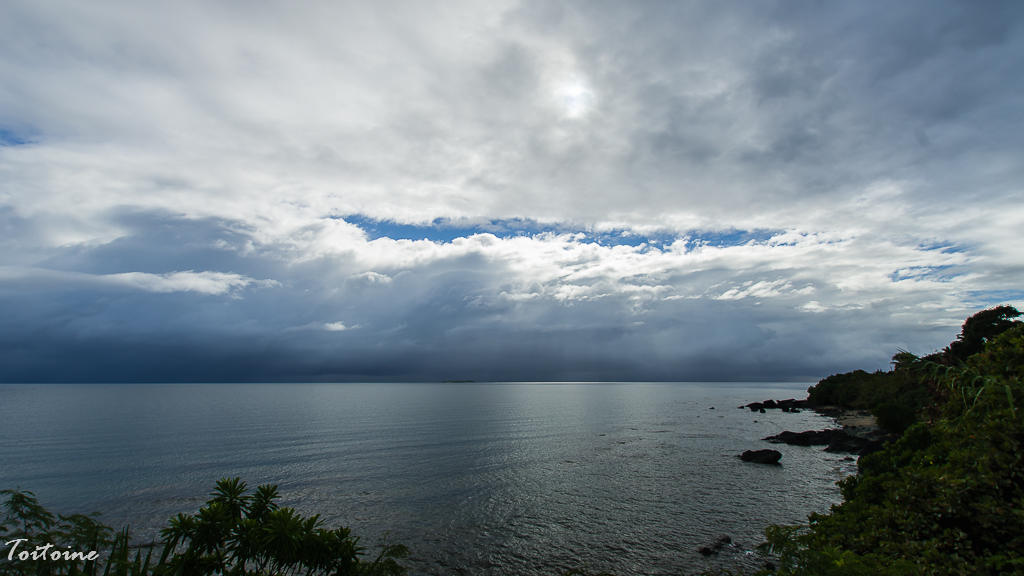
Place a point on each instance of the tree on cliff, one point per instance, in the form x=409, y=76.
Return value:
x=981, y=328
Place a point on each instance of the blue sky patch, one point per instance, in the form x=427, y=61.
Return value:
x=923, y=272
x=727, y=238
x=444, y=230
x=943, y=247
x=990, y=298
x=10, y=137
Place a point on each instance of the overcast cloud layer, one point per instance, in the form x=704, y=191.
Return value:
x=501, y=190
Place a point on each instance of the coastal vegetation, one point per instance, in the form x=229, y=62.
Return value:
x=236, y=533
x=946, y=497
x=908, y=383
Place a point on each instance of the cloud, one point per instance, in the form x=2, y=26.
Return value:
x=513, y=190
x=338, y=327
x=202, y=282
x=213, y=283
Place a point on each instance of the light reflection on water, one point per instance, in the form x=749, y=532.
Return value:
x=476, y=479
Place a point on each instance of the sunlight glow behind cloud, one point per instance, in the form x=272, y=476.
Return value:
x=576, y=99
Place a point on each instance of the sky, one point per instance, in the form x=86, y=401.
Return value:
x=229, y=191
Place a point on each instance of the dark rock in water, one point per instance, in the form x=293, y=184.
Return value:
x=808, y=438
x=766, y=456
x=833, y=440
x=712, y=408
x=714, y=548
x=762, y=410
x=790, y=403
x=785, y=405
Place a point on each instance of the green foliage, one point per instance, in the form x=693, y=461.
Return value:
x=981, y=328
x=946, y=498
x=235, y=534
x=951, y=498
x=907, y=384
x=894, y=417
x=836, y=389
x=794, y=555
x=863, y=390
x=796, y=558
x=27, y=520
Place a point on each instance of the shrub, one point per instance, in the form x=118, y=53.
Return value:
x=894, y=417
x=234, y=533
x=946, y=498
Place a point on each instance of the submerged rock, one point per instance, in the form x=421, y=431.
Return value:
x=722, y=542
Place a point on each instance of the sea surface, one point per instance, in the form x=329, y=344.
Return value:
x=475, y=478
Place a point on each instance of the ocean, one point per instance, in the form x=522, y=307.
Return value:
x=504, y=478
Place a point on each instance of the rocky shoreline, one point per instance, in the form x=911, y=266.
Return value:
x=859, y=434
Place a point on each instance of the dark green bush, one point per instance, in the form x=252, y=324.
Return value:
x=235, y=533
x=894, y=417
x=946, y=498
x=863, y=390
x=26, y=520
x=906, y=384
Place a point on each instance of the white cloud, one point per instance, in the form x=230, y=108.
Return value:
x=212, y=283
x=338, y=327
x=813, y=306
x=202, y=282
